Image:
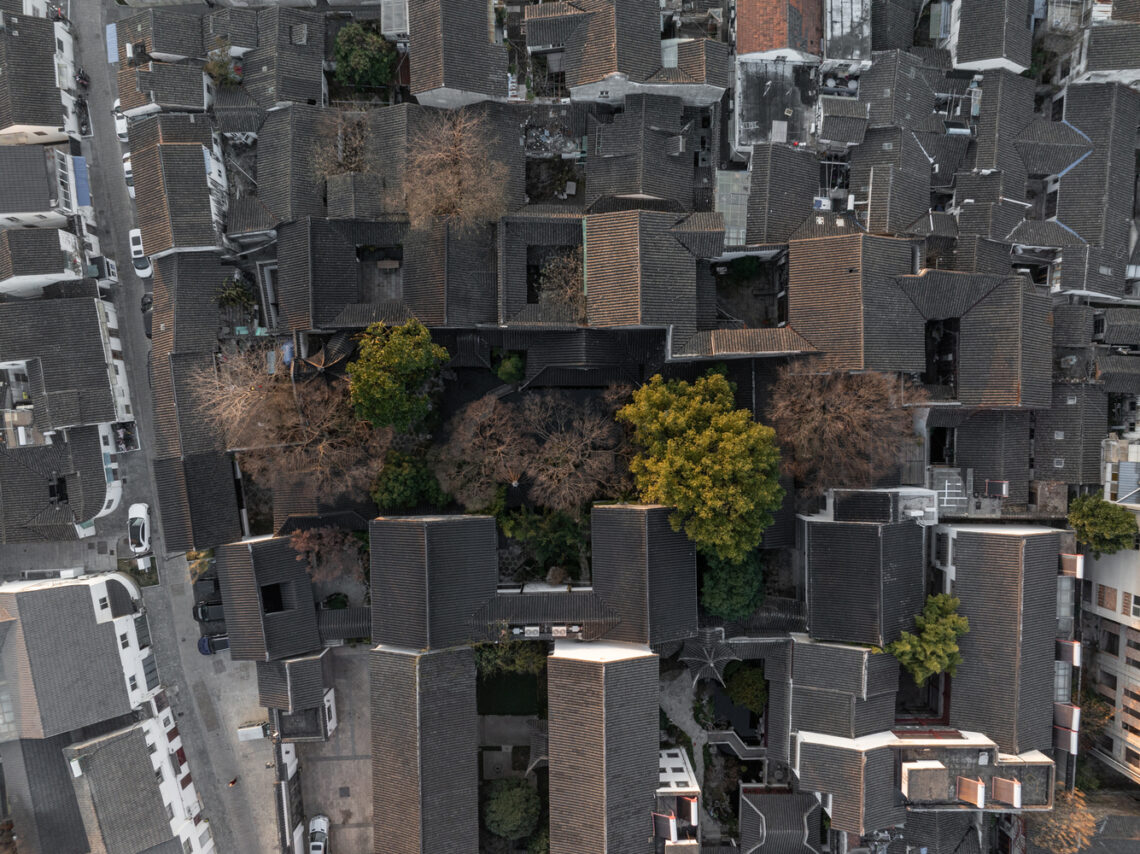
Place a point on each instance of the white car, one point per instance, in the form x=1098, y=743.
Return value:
x=143, y=268
x=120, y=122
x=319, y=834
x=129, y=174
x=138, y=528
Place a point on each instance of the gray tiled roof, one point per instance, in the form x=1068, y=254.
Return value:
x=864, y=798
x=1004, y=686
x=31, y=252
x=430, y=574
x=996, y=446
x=866, y=581
x=425, y=749
x=446, y=49
x=118, y=797
x=234, y=109
x=248, y=571
x=993, y=29
x=1113, y=47
x=646, y=571
x=294, y=684
x=844, y=119
x=779, y=823
x=286, y=184
x=54, y=691
x=1121, y=325
x=238, y=26
x=1049, y=148
x=897, y=93
x=41, y=801
x=640, y=153
x=1120, y=374
x=783, y=183
x=288, y=62
x=25, y=183
x=197, y=500
x=29, y=97
x=603, y=752
x=173, y=197
x=1073, y=326
x=599, y=37
x=1070, y=432
x=520, y=236
x=171, y=86
x=64, y=337
x=344, y=623
x=943, y=831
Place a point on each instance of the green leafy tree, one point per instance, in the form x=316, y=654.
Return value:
x=395, y=378
x=363, y=56
x=746, y=686
x=732, y=590
x=407, y=482
x=540, y=842
x=1103, y=526
x=711, y=462
x=935, y=648
x=494, y=659
x=512, y=808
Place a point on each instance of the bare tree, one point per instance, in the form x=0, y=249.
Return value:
x=274, y=426
x=577, y=455
x=451, y=173
x=341, y=144
x=330, y=553
x=486, y=448
x=560, y=282
x=838, y=429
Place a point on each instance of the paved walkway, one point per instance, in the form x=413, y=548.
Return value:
x=677, y=695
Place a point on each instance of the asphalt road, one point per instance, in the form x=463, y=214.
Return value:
x=241, y=819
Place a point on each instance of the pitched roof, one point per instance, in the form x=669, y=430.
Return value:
x=843, y=119
x=120, y=802
x=996, y=446
x=1070, y=432
x=1073, y=325
x=603, y=745
x=1113, y=47
x=26, y=184
x=841, y=691
x=286, y=183
x=198, y=501
x=646, y=571
x=1119, y=374
x=447, y=49
x=169, y=31
x=1049, y=148
x=425, y=746
x=778, y=823
x=49, y=690
x=781, y=341
x=430, y=574
x=1004, y=686
x=41, y=801
x=237, y=26
x=866, y=580
x=783, y=183
x=173, y=196
x=641, y=152
x=294, y=684
x=234, y=109
x=288, y=62
x=523, y=236
x=861, y=783
x=993, y=29
x=764, y=25
x=895, y=90
x=1121, y=325
x=64, y=338
x=31, y=508
x=599, y=37
x=29, y=97
x=268, y=598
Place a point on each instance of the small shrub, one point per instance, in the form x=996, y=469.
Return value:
x=405, y=483
x=746, y=686
x=511, y=368
x=512, y=808
x=935, y=648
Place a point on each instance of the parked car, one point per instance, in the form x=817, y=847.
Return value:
x=129, y=174
x=120, y=121
x=207, y=589
x=143, y=268
x=209, y=612
x=319, y=834
x=138, y=528
x=211, y=644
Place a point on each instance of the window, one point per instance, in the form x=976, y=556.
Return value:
x=106, y=441
x=1136, y=606
x=59, y=45
x=150, y=748
x=1106, y=597
x=1058, y=434
x=1058, y=462
x=1108, y=680
x=1132, y=757
x=187, y=848
x=158, y=773
x=134, y=683
x=103, y=604
x=124, y=640
x=1112, y=643
x=1086, y=591
x=169, y=812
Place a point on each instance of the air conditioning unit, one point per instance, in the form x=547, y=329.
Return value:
x=821, y=203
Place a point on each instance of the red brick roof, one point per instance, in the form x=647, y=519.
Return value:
x=763, y=25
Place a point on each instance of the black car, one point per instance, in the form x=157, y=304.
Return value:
x=207, y=589
x=209, y=612
x=211, y=644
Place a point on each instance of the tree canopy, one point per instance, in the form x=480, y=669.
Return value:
x=712, y=463
x=405, y=483
x=363, y=56
x=512, y=808
x=839, y=429
x=395, y=377
x=732, y=590
x=329, y=553
x=512, y=656
x=935, y=648
x=1103, y=526
x=745, y=685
